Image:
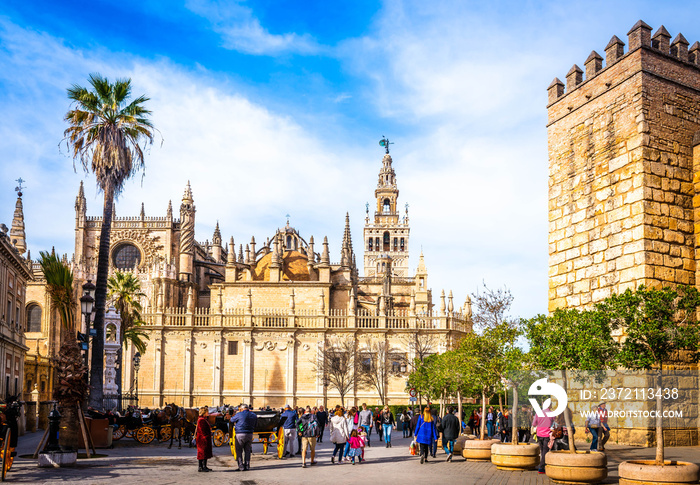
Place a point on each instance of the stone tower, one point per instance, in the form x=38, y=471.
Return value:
x=623, y=157
x=17, y=236
x=387, y=234
x=187, y=212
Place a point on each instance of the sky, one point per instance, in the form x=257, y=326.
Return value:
x=273, y=108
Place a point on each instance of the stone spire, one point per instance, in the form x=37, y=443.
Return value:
x=187, y=214
x=17, y=235
x=325, y=256
x=80, y=202
x=143, y=211
x=169, y=213
x=346, y=250
x=216, y=239
x=231, y=253
x=187, y=196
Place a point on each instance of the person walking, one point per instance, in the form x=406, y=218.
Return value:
x=414, y=421
x=322, y=418
x=203, y=439
x=308, y=431
x=426, y=433
x=300, y=412
x=604, y=428
x=244, y=424
x=543, y=425
x=388, y=423
x=289, y=417
x=378, y=423
x=356, y=446
x=366, y=420
x=451, y=428
x=478, y=423
x=505, y=423
x=592, y=426
x=338, y=431
x=406, y=424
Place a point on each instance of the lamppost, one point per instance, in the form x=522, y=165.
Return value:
x=137, y=364
x=325, y=392
x=87, y=306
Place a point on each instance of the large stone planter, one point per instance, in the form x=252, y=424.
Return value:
x=638, y=472
x=523, y=456
x=581, y=467
x=459, y=443
x=478, y=450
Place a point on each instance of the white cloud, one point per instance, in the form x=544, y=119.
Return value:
x=241, y=30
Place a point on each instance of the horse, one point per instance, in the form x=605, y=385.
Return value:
x=181, y=419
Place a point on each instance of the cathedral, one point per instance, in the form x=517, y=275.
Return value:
x=249, y=323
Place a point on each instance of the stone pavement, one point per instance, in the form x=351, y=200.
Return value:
x=130, y=463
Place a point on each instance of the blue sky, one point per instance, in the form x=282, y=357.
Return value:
x=272, y=108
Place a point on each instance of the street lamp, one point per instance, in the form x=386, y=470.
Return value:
x=87, y=306
x=137, y=364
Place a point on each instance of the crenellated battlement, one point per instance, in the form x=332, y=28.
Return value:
x=639, y=37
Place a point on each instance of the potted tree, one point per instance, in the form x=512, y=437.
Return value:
x=660, y=325
x=579, y=341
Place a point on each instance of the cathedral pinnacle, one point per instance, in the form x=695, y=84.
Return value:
x=216, y=239
x=17, y=235
x=80, y=202
x=187, y=196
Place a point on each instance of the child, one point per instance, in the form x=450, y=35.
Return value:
x=356, y=446
x=363, y=436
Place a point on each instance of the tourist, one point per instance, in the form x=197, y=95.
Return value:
x=378, y=423
x=202, y=437
x=426, y=433
x=604, y=428
x=322, y=418
x=471, y=423
x=387, y=424
x=478, y=422
x=438, y=427
x=366, y=419
x=338, y=431
x=523, y=421
x=406, y=424
x=592, y=426
x=414, y=420
x=356, y=446
x=560, y=434
x=543, y=425
x=490, y=419
x=308, y=431
x=451, y=428
x=505, y=423
x=244, y=424
x=289, y=417
x=350, y=420
x=300, y=412
x=355, y=418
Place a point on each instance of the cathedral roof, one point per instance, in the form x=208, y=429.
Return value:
x=294, y=266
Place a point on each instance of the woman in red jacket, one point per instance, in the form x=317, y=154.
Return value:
x=203, y=439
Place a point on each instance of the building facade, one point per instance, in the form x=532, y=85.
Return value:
x=624, y=156
x=14, y=274
x=231, y=324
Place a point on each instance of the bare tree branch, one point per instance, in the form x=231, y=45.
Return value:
x=336, y=365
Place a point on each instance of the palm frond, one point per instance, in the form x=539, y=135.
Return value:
x=59, y=286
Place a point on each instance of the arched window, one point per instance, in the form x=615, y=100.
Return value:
x=387, y=241
x=126, y=256
x=289, y=243
x=396, y=243
x=369, y=246
x=387, y=206
x=111, y=333
x=377, y=244
x=33, y=318
x=402, y=244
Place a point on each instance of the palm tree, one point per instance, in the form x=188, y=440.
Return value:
x=125, y=294
x=105, y=136
x=59, y=286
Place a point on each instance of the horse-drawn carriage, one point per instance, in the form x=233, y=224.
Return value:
x=9, y=412
x=135, y=425
x=269, y=430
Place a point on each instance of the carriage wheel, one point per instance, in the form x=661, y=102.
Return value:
x=232, y=442
x=145, y=435
x=119, y=432
x=6, y=458
x=219, y=437
x=166, y=432
x=280, y=443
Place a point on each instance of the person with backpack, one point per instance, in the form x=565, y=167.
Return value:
x=338, y=430
x=308, y=429
x=406, y=424
x=438, y=428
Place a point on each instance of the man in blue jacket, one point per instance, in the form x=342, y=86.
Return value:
x=244, y=422
x=290, y=425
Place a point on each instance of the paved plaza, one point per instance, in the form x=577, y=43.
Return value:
x=130, y=462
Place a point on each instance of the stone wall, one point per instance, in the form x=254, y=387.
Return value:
x=621, y=172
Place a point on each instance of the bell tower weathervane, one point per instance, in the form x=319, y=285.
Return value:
x=384, y=142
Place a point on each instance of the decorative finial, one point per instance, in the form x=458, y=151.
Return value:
x=19, y=187
x=384, y=142
x=288, y=216
x=367, y=207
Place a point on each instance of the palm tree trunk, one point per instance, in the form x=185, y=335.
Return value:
x=97, y=362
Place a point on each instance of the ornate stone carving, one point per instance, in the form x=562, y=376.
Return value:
x=148, y=244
